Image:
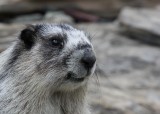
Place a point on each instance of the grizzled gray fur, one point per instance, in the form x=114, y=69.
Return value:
x=46, y=71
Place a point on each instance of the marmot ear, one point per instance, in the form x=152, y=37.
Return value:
x=27, y=36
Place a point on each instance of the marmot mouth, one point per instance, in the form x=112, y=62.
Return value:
x=71, y=76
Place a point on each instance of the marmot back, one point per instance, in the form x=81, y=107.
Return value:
x=46, y=71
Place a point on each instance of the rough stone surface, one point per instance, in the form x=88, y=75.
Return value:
x=141, y=24
x=104, y=8
x=49, y=17
x=129, y=77
x=27, y=18
x=3, y=2
x=57, y=17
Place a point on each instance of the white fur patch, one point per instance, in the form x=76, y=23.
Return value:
x=75, y=37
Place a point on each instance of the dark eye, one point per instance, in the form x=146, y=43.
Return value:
x=57, y=42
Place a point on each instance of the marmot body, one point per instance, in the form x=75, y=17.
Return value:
x=46, y=71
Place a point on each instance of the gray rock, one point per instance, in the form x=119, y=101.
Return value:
x=25, y=19
x=49, y=17
x=3, y=2
x=108, y=9
x=58, y=17
x=141, y=24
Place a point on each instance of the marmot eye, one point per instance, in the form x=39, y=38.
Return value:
x=57, y=42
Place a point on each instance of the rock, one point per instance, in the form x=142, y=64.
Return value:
x=108, y=9
x=58, y=17
x=81, y=16
x=3, y=2
x=49, y=17
x=141, y=24
x=25, y=19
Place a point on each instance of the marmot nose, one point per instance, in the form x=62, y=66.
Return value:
x=89, y=59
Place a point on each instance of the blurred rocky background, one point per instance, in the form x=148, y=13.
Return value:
x=126, y=37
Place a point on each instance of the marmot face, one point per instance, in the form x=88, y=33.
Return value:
x=63, y=55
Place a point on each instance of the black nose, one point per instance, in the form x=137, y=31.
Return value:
x=88, y=59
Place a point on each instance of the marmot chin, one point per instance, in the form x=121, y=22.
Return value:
x=46, y=71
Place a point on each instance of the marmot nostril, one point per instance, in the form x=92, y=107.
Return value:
x=88, y=59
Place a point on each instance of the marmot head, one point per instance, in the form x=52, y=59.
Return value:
x=63, y=56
